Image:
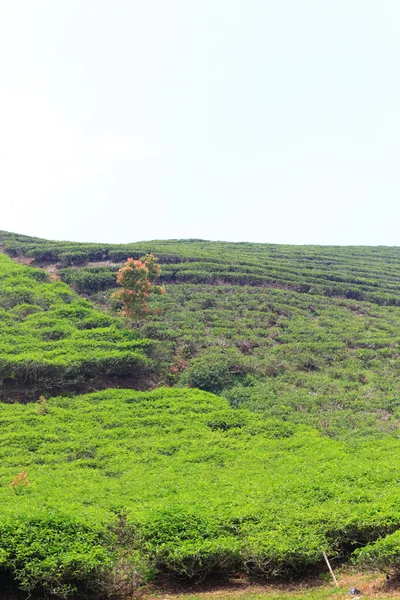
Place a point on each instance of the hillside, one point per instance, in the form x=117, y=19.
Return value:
x=297, y=453
x=305, y=333
x=53, y=340
x=359, y=273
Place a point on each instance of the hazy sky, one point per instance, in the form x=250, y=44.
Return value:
x=243, y=120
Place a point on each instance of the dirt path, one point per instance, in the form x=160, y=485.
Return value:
x=372, y=586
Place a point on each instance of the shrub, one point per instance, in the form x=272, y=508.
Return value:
x=382, y=555
x=54, y=554
x=209, y=373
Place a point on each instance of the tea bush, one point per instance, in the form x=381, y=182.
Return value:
x=176, y=481
x=382, y=555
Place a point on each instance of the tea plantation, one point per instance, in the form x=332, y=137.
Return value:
x=298, y=451
x=126, y=484
x=51, y=339
x=306, y=333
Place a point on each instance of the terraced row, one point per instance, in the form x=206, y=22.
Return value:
x=51, y=339
x=361, y=273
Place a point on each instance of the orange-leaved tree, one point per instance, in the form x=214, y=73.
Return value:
x=20, y=481
x=136, y=278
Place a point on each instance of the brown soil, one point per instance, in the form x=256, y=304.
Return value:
x=371, y=585
x=104, y=263
x=23, y=260
x=13, y=392
x=52, y=268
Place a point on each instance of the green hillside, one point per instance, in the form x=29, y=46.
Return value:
x=305, y=333
x=360, y=273
x=297, y=453
x=52, y=340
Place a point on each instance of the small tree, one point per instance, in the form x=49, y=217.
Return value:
x=19, y=482
x=136, y=278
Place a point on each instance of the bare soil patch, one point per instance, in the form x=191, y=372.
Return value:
x=372, y=586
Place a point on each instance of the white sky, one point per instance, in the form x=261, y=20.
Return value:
x=243, y=120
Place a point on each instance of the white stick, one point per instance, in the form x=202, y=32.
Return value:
x=330, y=569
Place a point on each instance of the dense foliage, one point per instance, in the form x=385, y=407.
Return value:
x=299, y=454
x=332, y=363
x=309, y=333
x=176, y=481
x=358, y=273
x=53, y=339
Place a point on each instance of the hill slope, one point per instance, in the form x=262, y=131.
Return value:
x=306, y=333
x=360, y=273
x=51, y=339
x=299, y=455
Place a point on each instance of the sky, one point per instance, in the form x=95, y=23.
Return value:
x=237, y=120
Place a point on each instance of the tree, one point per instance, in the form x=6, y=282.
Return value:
x=136, y=278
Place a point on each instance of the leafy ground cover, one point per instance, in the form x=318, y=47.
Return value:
x=299, y=453
x=359, y=273
x=305, y=333
x=332, y=363
x=51, y=339
x=117, y=486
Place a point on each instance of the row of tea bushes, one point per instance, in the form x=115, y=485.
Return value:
x=51, y=338
x=358, y=273
x=331, y=363
x=284, y=347
x=176, y=482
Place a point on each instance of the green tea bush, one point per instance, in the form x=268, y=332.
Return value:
x=72, y=258
x=89, y=280
x=382, y=555
x=124, y=485
x=53, y=553
x=209, y=373
x=215, y=371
